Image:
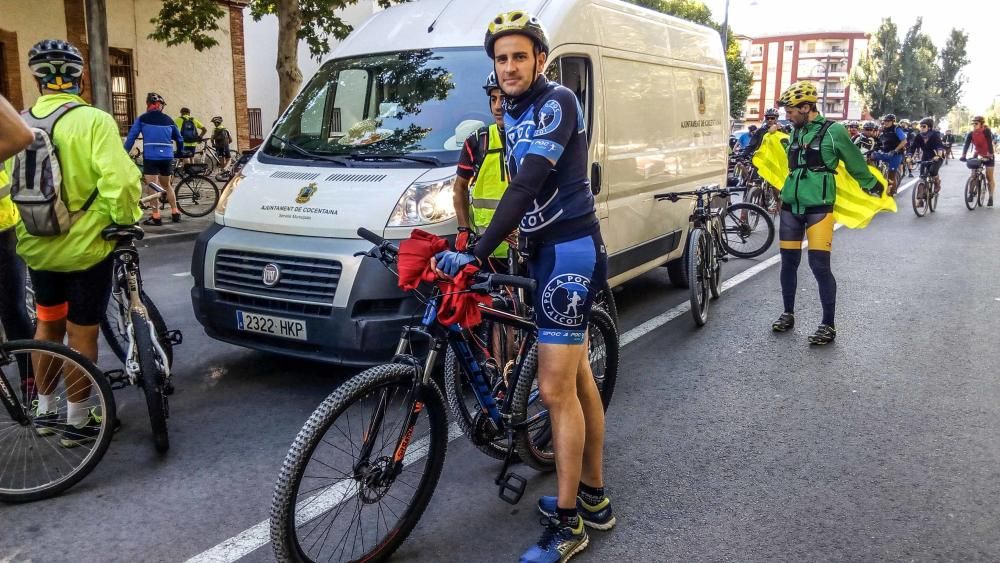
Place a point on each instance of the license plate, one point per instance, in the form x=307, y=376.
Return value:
x=275, y=326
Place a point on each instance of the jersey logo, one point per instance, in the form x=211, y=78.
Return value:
x=549, y=117
x=563, y=298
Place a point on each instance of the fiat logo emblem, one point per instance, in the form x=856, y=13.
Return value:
x=271, y=275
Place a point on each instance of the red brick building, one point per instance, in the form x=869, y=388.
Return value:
x=824, y=58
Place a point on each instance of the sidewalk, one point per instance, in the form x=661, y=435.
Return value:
x=188, y=229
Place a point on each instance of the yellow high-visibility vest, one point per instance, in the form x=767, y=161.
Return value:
x=489, y=185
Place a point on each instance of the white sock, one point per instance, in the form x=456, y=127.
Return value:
x=76, y=413
x=46, y=403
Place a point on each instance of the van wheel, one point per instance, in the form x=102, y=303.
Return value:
x=677, y=271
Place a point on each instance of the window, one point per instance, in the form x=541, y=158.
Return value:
x=757, y=51
x=789, y=47
x=753, y=110
x=122, y=89
x=811, y=47
x=573, y=72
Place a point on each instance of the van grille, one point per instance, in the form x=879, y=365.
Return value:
x=340, y=177
x=285, y=175
x=312, y=280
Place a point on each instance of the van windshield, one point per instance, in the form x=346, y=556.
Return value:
x=413, y=108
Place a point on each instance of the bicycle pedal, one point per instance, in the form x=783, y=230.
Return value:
x=175, y=337
x=512, y=488
x=117, y=379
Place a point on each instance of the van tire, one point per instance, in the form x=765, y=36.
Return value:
x=677, y=271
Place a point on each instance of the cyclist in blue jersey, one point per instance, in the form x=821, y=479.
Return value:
x=160, y=140
x=550, y=200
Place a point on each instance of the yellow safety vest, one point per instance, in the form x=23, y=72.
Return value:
x=8, y=212
x=489, y=185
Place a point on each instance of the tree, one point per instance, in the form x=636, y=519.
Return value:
x=312, y=21
x=876, y=75
x=953, y=60
x=740, y=77
x=958, y=120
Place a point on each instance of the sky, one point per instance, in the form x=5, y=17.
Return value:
x=769, y=17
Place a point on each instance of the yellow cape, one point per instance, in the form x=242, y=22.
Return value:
x=854, y=208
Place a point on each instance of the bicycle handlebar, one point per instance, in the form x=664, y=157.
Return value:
x=703, y=190
x=488, y=282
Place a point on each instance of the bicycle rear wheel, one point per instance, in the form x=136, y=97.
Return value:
x=332, y=504
x=920, y=198
x=464, y=405
x=197, y=195
x=116, y=333
x=152, y=382
x=34, y=462
x=533, y=442
x=747, y=230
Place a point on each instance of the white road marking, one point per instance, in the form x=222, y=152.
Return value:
x=258, y=536
x=181, y=274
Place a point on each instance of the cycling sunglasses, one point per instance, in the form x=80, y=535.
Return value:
x=57, y=68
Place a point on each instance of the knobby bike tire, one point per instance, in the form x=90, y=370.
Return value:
x=933, y=199
x=99, y=385
x=699, y=247
x=115, y=335
x=284, y=538
x=535, y=448
x=732, y=222
x=200, y=187
x=151, y=382
x=715, y=268
x=920, y=209
x=970, y=193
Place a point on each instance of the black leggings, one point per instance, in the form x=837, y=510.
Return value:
x=12, y=312
x=817, y=226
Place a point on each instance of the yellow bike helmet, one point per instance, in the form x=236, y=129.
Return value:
x=516, y=21
x=798, y=93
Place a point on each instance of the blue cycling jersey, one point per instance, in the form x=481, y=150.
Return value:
x=548, y=122
x=160, y=136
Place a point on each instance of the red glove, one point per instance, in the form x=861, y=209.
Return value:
x=462, y=240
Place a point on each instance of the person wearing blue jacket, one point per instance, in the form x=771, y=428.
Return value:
x=160, y=139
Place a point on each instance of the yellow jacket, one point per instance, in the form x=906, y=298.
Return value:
x=8, y=212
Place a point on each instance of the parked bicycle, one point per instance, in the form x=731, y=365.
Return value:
x=137, y=334
x=41, y=453
x=363, y=468
x=716, y=233
x=926, y=192
x=977, y=184
x=197, y=194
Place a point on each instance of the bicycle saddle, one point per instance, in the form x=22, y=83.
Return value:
x=123, y=232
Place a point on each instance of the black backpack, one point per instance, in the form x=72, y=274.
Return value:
x=188, y=130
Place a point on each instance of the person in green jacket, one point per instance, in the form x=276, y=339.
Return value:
x=816, y=148
x=71, y=273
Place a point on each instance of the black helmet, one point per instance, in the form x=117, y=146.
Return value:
x=154, y=98
x=56, y=64
x=217, y=119
x=928, y=121
x=889, y=117
x=771, y=112
x=491, y=83
x=869, y=125
x=516, y=22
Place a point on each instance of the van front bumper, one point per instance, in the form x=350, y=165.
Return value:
x=359, y=326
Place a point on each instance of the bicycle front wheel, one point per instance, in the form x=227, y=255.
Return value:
x=533, y=441
x=747, y=230
x=339, y=497
x=152, y=382
x=699, y=260
x=197, y=195
x=920, y=199
x=935, y=193
x=971, y=193
x=41, y=455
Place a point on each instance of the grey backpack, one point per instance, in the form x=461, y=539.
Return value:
x=36, y=180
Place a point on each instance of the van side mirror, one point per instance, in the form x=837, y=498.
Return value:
x=595, y=178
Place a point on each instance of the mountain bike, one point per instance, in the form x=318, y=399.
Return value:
x=765, y=195
x=977, y=184
x=926, y=192
x=41, y=454
x=137, y=334
x=197, y=194
x=715, y=234
x=363, y=468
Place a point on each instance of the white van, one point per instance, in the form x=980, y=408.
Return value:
x=372, y=140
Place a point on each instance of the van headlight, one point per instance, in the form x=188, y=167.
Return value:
x=423, y=204
x=227, y=192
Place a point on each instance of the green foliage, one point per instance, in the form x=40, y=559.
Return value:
x=187, y=21
x=958, y=120
x=740, y=76
x=910, y=79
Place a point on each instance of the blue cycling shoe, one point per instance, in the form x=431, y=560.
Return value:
x=599, y=516
x=558, y=543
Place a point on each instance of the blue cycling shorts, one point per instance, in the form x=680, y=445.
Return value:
x=569, y=275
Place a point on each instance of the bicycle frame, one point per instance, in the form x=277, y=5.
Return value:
x=127, y=276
